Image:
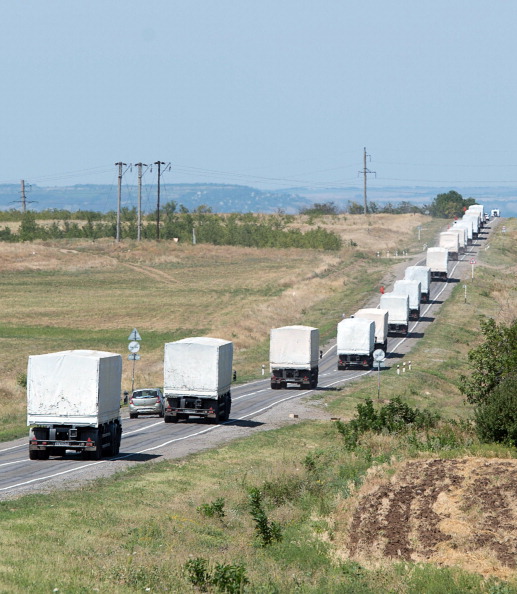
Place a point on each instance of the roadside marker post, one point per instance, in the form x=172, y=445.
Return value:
x=133, y=348
x=378, y=356
x=472, y=262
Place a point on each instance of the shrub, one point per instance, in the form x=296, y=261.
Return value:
x=395, y=417
x=496, y=417
x=267, y=530
x=212, y=510
x=223, y=577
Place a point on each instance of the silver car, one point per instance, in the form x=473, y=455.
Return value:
x=146, y=401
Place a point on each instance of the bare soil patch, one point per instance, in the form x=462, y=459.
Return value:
x=459, y=512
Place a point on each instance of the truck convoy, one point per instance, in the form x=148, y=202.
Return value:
x=451, y=242
x=380, y=317
x=398, y=313
x=197, y=376
x=355, y=343
x=413, y=290
x=73, y=403
x=436, y=259
x=294, y=356
x=422, y=274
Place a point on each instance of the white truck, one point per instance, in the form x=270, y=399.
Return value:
x=294, y=353
x=73, y=403
x=197, y=377
x=479, y=210
x=380, y=317
x=451, y=241
x=495, y=212
x=462, y=237
x=355, y=343
x=413, y=289
x=422, y=274
x=467, y=226
x=474, y=218
x=398, y=313
x=437, y=258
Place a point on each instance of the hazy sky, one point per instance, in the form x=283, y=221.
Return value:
x=276, y=93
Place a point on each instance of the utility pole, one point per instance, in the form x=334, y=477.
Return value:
x=365, y=172
x=159, y=163
x=23, y=199
x=139, y=220
x=119, y=198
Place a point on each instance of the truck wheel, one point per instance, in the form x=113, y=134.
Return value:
x=118, y=439
x=133, y=416
x=110, y=450
x=33, y=455
x=170, y=419
x=44, y=454
x=97, y=453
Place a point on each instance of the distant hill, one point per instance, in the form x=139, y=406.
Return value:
x=236, y=198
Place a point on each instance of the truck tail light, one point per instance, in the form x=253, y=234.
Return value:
x=34, y=441
x=89, y=442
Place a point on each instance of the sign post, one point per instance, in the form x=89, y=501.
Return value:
x=472, y=262
x=133, y=348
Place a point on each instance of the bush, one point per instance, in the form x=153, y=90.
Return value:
x=496, y=417
x=395, y=417
x=223, y=577
x=213, y=510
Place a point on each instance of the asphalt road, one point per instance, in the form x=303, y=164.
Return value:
x=149, y=438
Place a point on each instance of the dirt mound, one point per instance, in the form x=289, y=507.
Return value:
x=448, y=512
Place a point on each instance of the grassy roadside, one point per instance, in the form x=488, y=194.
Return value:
x=139, y=530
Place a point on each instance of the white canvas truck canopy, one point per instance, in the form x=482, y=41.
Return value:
x=421, y=274
x=450, y=240
x=200, y=365
x=294, y=347
x=437, y=258
x=78, y=387
x=474, y=219
x=477, y=209
x=461, y=232
x=380, y=317
x=397, y=306
x=411, y=288
x=355, y=336
x=468, y=225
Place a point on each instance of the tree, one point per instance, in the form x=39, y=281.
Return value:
x=29, y=229
x=450, y=205
x=493, y=361
x=321, y=208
